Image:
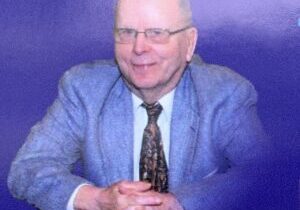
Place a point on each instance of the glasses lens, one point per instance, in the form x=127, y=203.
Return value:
x=157, y=35
x=125, y=35
x=154, y=35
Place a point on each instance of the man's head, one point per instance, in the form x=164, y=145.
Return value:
x=153, y=66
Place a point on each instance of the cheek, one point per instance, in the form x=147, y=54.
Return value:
x=120, y=53
x=173, y=57
x=177, y=48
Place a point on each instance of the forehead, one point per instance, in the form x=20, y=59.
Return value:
x=148, y=13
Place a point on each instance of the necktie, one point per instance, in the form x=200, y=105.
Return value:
x=153, y=166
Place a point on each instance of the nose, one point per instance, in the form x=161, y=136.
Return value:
x=140, y=44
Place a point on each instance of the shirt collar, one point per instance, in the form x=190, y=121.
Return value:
x=166, y=102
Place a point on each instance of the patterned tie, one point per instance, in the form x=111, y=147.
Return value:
x=153, y=166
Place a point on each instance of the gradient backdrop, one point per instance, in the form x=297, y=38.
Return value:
x=39, y=40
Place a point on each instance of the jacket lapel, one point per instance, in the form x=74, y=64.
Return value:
x=117, y=134
x=184, y=128
x=116, y=129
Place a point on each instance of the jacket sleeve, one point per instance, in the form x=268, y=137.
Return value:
x=41, y=172
x=250, y=182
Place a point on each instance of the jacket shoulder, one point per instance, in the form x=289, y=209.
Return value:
x=216, y=79
x=89, y=83
x=214, y=74
x=87, y=75
x=214, y=84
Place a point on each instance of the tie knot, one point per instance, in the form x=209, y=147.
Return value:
x=153, y=111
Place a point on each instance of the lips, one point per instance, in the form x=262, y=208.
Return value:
x=142, y=66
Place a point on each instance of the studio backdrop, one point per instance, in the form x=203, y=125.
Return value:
x=260, y=39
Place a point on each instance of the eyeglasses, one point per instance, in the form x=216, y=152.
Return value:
x=154, y=35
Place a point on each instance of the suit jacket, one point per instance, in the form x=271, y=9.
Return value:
x=216, y=138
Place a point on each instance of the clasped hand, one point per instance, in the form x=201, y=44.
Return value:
x=124, y=195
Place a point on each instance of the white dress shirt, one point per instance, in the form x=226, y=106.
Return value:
x=140, y=121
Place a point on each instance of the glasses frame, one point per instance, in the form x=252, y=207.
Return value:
x=147, y=32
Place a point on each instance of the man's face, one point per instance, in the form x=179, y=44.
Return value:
x=150, y=66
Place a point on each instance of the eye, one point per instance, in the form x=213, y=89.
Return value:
x=126, y=31
x=154, y=32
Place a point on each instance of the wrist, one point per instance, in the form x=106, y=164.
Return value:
x=86, y=197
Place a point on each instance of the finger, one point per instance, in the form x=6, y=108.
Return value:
x=142, y=208
x=132, y=187
x=144, y=200
x=136, y=208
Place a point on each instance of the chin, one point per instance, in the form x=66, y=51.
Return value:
x=144, y=84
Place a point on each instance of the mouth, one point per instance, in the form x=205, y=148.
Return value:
x=142, y=66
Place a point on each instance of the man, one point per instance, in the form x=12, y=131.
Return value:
x=210, y=139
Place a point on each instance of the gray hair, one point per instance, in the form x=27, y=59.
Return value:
x=184, y=5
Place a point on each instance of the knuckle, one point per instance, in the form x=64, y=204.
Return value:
x=123, y=182
x=119, y=201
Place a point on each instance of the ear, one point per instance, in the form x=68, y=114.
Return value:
x=192, y=36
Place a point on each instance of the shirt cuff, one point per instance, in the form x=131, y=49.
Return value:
x=70, y=205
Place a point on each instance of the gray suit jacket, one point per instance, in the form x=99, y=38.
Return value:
x=215, y=138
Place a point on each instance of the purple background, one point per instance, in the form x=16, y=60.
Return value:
x=41, y=39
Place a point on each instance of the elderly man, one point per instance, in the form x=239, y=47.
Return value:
x=157, y=130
